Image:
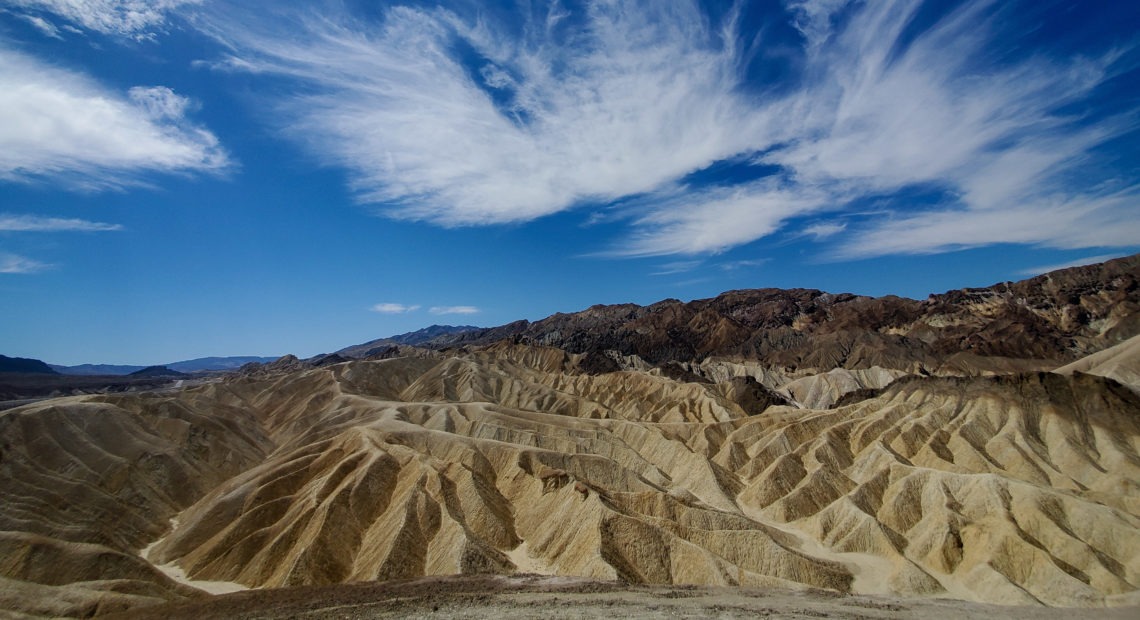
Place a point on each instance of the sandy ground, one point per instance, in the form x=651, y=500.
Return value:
x=176, y=573
x=544, y=597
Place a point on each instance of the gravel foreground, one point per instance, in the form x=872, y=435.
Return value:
x=543, y=597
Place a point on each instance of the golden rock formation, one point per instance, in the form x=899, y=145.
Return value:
x=1013, y=489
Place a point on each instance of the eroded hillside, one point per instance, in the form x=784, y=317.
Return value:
x=1034, y=324
x=972, y=483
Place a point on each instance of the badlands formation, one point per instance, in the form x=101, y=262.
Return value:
x=980, y=445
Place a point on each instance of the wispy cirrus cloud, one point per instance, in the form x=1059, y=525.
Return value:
x=742, y=264
x=64, y=126
x=47, y=28
x=133, y=18
x=397, y=308
x=454, y=310
x=824, y=230
x=675, y=267
x=1056, y=221
x=463, y=119
x=813, y=18
x=32, y=223
x=892, y=114
x=394, y=308
x=712, y=220
x=549, y=115
x=14, y=263
x=21, y=223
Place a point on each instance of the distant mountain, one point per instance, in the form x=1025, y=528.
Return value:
x=421, y=337
x=23, y=364
x=96, y=369
x=1033, y=324
x=195, y=365
x=158, y=371
x=217, y=363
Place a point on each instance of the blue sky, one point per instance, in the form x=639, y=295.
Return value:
x=185, y=178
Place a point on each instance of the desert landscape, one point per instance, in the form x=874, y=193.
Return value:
x=569, y=309
x=764, y=452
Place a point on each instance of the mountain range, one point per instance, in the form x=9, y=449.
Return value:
x=221, y=364
x=1034, y=323
x=187, y=366
x=980, y=445
x=425, y=336
x=24, y=365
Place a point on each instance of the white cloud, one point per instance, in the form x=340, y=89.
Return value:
x=31, y=223
x=62, y=125
x=13, y=263
x=159, y=102
x=675, y=267
x=134, y=18
x=47, y=28
x=889, y=116
x=813, y=18
x=453, y=310
x=625, y=104
x=395, y=308
x=1080, y=262
x=718, y=218
x=742, y=264
x=392, y=308
x=620, y=100
x=1058, y=222
x=823, y=230
x=496, y=77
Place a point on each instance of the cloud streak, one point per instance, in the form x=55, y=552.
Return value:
x=62, y=125
x=17, y=223
x=133, y=18
x=32, y=223
x=397, y=308
x=824, y=230
x=454, y=310
x=624, y=104
x=393, y=308
x=460, y=119
x=676, y=267
x=45, y=27
x=15, y=264
x=990, y=136
x=1056, y=221
x=713, y=220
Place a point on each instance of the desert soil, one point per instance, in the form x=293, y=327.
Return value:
x=545, y=597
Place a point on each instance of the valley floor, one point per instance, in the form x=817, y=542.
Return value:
x=532, y=596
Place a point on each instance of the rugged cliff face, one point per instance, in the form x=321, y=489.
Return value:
x=1052, y=318
x=762, y=438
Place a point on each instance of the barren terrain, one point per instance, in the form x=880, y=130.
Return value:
x=537, y=597
x=867, y=479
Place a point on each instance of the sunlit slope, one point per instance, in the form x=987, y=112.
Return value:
x=1017, y=489
x=1120, y=362
x=86, y=482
